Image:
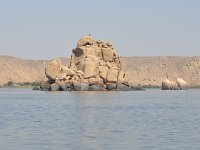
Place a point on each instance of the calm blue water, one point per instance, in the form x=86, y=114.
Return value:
x=138, y=120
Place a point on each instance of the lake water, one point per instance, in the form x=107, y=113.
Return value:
x=137, y=120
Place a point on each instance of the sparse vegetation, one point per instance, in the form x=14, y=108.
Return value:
x=21, y=84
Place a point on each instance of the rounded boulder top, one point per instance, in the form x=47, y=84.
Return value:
x=86, y=40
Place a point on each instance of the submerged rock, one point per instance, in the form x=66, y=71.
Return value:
x=36, y=88
x=54, y=87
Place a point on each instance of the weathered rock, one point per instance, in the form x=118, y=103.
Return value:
x=112, y=86
x=102, y=63
x=84, y=87
x=76, y=85
x=89, y=51
x=54, y=87
x=80, y=72
x=107, y=54
x=93, y=81
x=90, y=68
x=94, y=65
x=182, y=84
x=122, y=87
x=109, y=44
x=67, y=71
x=103, y=70
x=121, y=76
x=86, y=40
x=45, y=86
x=108, y=64
x=36, y=88
x=94, y=88
x=53, y=69
x=61, y=76
x=169, y=85
x=112, y=75
x=62, y=85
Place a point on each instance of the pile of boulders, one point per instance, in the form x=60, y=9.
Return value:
x=94, y=66
x=180, y=84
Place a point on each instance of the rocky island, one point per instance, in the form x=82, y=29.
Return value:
x=95, y=65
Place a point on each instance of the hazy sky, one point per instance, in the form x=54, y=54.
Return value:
x=44, y=29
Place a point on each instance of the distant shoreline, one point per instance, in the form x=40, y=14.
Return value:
x=147, y=71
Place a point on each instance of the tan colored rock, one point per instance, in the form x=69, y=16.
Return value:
x=108, y=64
x=102, y=63
x=61, y=76
x=169, y=85
x=52, y=69
x=112, y=75
x=93, y=58
x=181, y=83
x=86, y=40
x=104, y=45
x=98, y=52
x=90, y=69
x=68, y=72
x=80, y=72
x=121, y=76
x=107, y=54
x=93, y=81
x=92, y=63
x=77, y=78
x=103, y=70
x=88, y=50
x=109, y=44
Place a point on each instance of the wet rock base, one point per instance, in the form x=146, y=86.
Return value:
x=78, y=86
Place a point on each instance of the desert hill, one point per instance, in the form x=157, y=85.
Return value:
x=139, y=70
x=22, y=70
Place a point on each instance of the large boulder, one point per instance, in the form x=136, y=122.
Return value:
x=67, y=71
x=62, y=86
x=90, y=68
x=84, y=87
x=122, y=87
x=103, y=70
x=45, y=86
x=181, y=84
x=53, y=69
x=169, y=85
x=121, y=76
x=107, y=54
x=54, y=87
x=76, y=86
x=86, y=40
x=111, y=86
x=112, y=75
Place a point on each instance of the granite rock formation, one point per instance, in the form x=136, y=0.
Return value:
x=180, y=84
x=94, y=66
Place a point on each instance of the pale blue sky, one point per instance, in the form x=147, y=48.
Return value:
x=44, y=29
